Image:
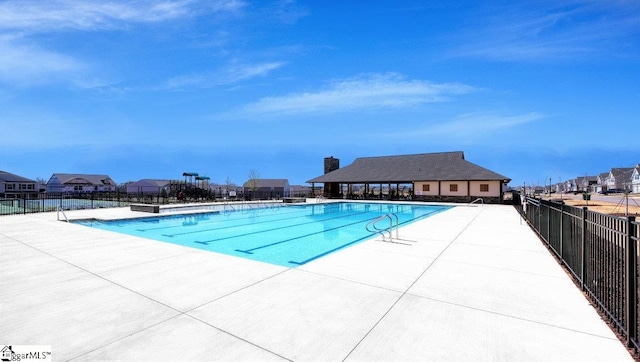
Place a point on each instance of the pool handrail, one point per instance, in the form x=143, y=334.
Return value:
x=389, y=230
x=476, y=200
x=63, y=214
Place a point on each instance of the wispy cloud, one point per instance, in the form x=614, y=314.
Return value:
x=19, y=65
x=26, y=61
x=29, y=16
x=466, y=127
x=232, y=74
x=552, y=30
x=368, y=92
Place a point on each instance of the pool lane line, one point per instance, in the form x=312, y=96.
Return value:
x=291, y=218
x=361, y=239
x=264, y=222
x=245, y=224
x=318, y=256
x=250, y=251
x=204, y=222
x=359, y=207
x=206, y=242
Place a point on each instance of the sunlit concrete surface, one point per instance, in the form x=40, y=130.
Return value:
x=472, y=283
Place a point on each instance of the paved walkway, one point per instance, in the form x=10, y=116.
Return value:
x=476, y=285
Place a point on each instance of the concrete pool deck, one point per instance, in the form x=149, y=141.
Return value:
x=475, y=283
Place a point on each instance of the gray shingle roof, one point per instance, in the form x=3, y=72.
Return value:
x=10, y=177
x=443, y=166
x=269, y=182
x=66, y=178
x=622, y=173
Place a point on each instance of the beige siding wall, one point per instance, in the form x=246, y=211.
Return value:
x=494, y=188
x=465, y=188
x=418, y=188
x=446, y=188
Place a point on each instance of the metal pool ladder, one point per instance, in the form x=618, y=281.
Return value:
x=385, y=232
x=63, y=214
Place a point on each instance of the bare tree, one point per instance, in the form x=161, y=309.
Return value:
x=252, y=183
x=228, y=185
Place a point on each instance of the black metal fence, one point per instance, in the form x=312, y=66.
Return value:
x=600, y=251
x=47, y=202
x=53, y=202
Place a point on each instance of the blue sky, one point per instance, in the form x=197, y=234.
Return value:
x=533, y=90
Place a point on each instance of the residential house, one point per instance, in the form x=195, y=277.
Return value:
x=13, y=186
x=444, y=176
x=619, y=178
x=635, y=180
x=263, y=189
x=601, y=182
x=149, y=187
x=586, y=183
x=80, y=183
x=301, y=191
x=570, y=186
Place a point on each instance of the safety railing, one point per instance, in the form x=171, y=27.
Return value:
x=63, y=214
x=476, y=200
x=385, y=232
x=601, y=253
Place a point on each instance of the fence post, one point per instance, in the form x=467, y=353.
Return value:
x=561, y=230
x=583, y=251
x=549, y=223
x=631, y=278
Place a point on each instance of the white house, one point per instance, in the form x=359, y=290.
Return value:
x=570, y=186
x=601, y=182
x=635, y=180
x=619, y=178
x=80, y=183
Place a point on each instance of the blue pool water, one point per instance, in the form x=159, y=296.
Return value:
x=288, y=235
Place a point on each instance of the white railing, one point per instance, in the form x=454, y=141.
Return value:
x=63, y=214
x=385, y=232
x=476, y=200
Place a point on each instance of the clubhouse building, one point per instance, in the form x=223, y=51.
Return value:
x=434, y=177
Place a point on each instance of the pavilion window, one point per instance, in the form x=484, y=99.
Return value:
x=453, y=187
x=425, y=187
x=484, y=187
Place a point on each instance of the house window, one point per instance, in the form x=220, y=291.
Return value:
x=23, y=186
x=453, y=187
x=484, y=187
x=10, y=187
x=30, y=187
x=425, y=187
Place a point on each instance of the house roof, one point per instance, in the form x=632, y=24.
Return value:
x=581, y=179
x=10, y=177
x=150, y=182
x=622, y=173
x=269, y=182
x=66, y=178
x=450, y=166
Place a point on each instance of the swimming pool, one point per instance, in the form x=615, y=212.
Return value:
x=286, y=235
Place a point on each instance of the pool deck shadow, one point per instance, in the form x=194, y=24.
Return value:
x=467, y=284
